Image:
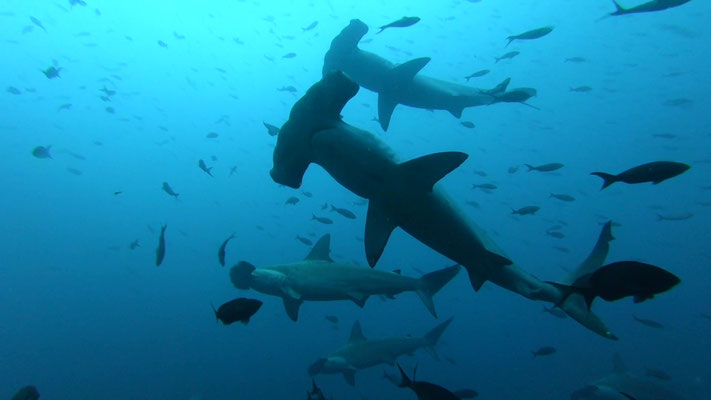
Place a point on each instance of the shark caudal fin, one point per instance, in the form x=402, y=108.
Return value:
x=431, y=283
x=619, y=10
x=397, y=79
x=414, y=177
x=432, y=337
x=608, y=179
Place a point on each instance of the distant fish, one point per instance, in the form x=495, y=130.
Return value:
x=513, y=169
x=467, y=124
x=310, y=27
x=42, y=152
x=13, y=90
x=657, y=374
x=555, y=234
x=679, y=102
x=665, y=135
x=544, y=351
x=507, y=56
x=562, y=197
x=346, y=213
x=271, y=129
x=65, y=106
x=655, y=172
x=203, y=166
x=134, y=245
x=160, y=251
x=110, y=110
x=576, y=59
x=237, y=310
x=322, y=220
x=304, y=240
x=581, y=89
x=484, y=186
x=289, y=55
x=307, y=194
x=178, y=36
x=223, y=247
x=117, y=193
x=648, y=322
x=532, y=34
x=162, y=44
x=74, y=171
x=332, y=319
x=291, y=200
x=528, y=210
x=401, y=23
x=169, y=190
x=650, y=6
x=38, y=23
x=477, y=74
x=27, y=393
x=556, y=312
x=77, y=3
x=674, y=217
x=233, y=170
x=545, y=167
x=52, y=72
x=425, y=390
x=212, y=135
x=562, y=249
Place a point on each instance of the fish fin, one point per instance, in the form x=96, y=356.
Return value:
x=356, y=334
x=386, y=106
x=431, y=283
x=456, y=111
x=378, y=228
x=500, y=88
x=510, y=39
x=350, y=377
x=475, y=279
x=397, y=78
x=358, y=298
x=566, y=291
x=291, y=306
x=608, y=179
x=432, y=337
x=217, y=318
x=405, y=380
x=321, y=249
x=423, y=172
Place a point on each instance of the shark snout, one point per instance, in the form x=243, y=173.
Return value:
x=284, y=178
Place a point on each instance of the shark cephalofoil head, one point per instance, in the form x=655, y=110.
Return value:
x=319, y=109
x=343, y=44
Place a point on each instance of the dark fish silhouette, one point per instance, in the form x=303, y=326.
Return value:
x=532, y=34
x=346, y=213
x=468, y=124
x=315, y=393
x=466, y=393
x=650, y=6
x=289, y=55
x=289, y=89
x=221, y=251
x=332, y=318
x=38, y=23
x=528, y=210
x=545, y=167
x=27, y=393
x=212, y=135
x=13, y=90
x=310, y=27
x=52, y=72
x=657, y=374
x=169, y=190
x=425, y=390
x=401, y=23
x=619, y=280
x=292, y=200
x=581, y=89
x=648, y=322
x=304, y=240
x=477, y=74
x=204, y=167
x=544, y=351
x=507, y=56
x=160, y=251
x=555, y=234
x=134, y=245
x=322, y=220
x=271, y=129
x=562, y=197
x=655, y=172
x=162, y=44
x=42, y=152
x=237, y=310
x=576, y=59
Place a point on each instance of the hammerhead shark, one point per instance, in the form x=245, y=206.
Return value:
x=404, y=195
x=361, y=353
x=650, y=6
x=402, y=84
x=319, y=278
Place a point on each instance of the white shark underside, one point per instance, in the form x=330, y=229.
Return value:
x=400, y=194
x=402, y=84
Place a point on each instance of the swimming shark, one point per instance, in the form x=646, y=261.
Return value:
x=319, y=278
x=650, y=6
x=361, y=353
x=402, y=83
x=621, y=385
x=404, y=195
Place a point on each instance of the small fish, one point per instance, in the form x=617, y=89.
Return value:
x=289, y=89
x=401, y=23
x=562, y=197
x=110, y=110
x=556, y=312
x=425, y=390
x=648, y=322
x=169, y=190
x=271, y=129
x=346, y=213
x=576, y=59
x=528, y=210
x=307, y=194
x=705, y=316
x=472, y=203
x=178, y=36
x=77, y=3
x=27, y=393
x=322, y=220
x=484, y=186
x=212, y=135
x=530, y=35
x=304, y=240
x=468, y=124
x=237, y=310
x=562, y=249
x=52, y=72
x=555, y=234
x=483, y=174
x=292, y=200
x=38, y=23
x=310, y=27
x=507, y=56
x=581, y=89
x=233, y=170
x=162, y=44
x=74, y=171
x=477, y=74
x=674, y=217
x=544, y=351
x=221, y=251
x=117, y=193
x=134, y=245
x=332, y=319
x=65, y=106
x=204, y=167
x=42, y=152
x=545, y=167
x=160, y=251
x=13, y=90
x=289, y=55
x=513, y=170
x=655, y=172
x=679, y=102
x=657, y=373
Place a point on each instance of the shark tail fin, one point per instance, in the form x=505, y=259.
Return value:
x=432, y=282
x=618, y=8
x=397, y=78
x=405, y=380
x=608, y=179
x=432, y=337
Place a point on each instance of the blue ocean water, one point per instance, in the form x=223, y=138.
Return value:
x=84, y=316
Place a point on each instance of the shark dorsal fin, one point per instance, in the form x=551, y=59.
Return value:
x=423, y=172
x=321, y=250
x=356, y=334
x=618, y=365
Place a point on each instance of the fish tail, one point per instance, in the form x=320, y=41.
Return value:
x=608, y=179
x=217, y=319
x=530, y=167
x=431, y=283
x=405, y=380
x=510, y=39
x=618, y=8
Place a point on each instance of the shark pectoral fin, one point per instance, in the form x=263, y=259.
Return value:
x=456, y=111
x=475, y=278
x=386, y=106
x=350, y=376
x=356, y=334
x=378, y=228
x=292, y=307
x=358, y=298
x=321, y=250
x=420, y=174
